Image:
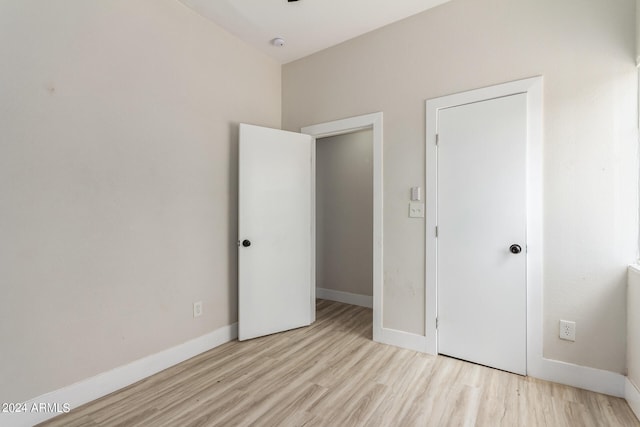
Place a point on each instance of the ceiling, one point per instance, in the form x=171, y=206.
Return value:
x=307, y=26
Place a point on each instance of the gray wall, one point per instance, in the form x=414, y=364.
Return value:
x=118, y=154
x=586, y=52
x=344, y=214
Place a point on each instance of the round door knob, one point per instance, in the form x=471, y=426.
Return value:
x=515, y=249
x=246, y=243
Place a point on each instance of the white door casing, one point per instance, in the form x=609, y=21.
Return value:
x=275, y=273
x=481, y=222
x=536, y=365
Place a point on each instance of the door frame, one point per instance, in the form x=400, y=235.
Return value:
x=371, y=121
x=532, y=87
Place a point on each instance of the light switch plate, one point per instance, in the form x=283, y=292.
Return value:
x=416, y=210
x=416, y=195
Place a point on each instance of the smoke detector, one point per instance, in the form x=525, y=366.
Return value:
x=278, y=42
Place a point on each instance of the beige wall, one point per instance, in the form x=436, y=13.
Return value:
x=344, y=220
x=586, y=53
x=118, y=180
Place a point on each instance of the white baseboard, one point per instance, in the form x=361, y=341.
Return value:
x=107, y=382
x=591, y=379
x=345, y=297
x=401, y=339
x=632, y=395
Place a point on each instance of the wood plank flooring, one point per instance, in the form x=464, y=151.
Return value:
x=332, y=374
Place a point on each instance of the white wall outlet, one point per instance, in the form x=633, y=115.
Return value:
x=567, y=330
x=197, y=309
x=416, y=210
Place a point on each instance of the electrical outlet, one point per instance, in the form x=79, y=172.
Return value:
x=567, y=330
x=197, y=309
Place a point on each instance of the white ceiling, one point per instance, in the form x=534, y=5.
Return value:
x=306, y=25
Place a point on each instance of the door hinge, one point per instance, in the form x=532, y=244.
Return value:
x=437, y=138
x=436, y=231
x=436, y=323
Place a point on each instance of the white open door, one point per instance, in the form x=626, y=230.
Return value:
x=274, y=231
x=482, y=241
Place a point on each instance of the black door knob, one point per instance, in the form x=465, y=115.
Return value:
x=246, y=243
x=515, y=249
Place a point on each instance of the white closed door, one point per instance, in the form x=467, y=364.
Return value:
x=274, y=226
x=481, y=244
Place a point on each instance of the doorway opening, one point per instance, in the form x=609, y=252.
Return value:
x=344, y=218
x=371, y=125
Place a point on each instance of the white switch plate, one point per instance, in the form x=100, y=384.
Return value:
x=416, y=194
x=416, y=210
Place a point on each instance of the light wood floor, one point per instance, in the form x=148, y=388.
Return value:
x=332, y=374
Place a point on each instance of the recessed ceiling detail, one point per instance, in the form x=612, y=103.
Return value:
x=308, y=25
